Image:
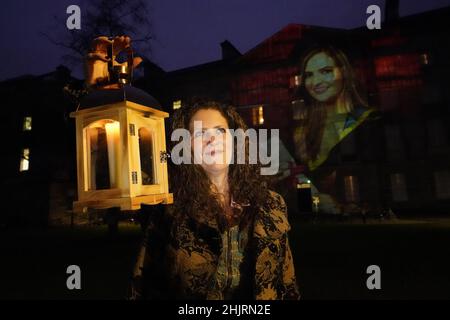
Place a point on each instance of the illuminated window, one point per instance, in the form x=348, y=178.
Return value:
x=261, y=115
x=176, y=104
x=442, y=184
x=425, y=59
x=351, y=188
x=25, y=160
x=27, y=124
x=257, y=116
x=398, y=187
x=295, y=81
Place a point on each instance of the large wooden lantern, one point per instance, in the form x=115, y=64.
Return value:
x=121, y=150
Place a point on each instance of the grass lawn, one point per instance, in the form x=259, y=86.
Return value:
x=34, y=263
x=330, y=259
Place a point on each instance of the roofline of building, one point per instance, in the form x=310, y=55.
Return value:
x=426, y=15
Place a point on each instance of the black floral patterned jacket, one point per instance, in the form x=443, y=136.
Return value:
x=179, y=262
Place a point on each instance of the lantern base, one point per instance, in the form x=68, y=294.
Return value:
x=128, y=203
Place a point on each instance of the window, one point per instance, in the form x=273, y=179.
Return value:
x=261, y=115
x=176, y=104
x=398, y=187
x=393, y=138
x=295, y=81
x=258, y=116
x=436, y=133
x=25, y=160
x=425, y=59
x=348, y=146
x=351, y=188
x=394, y=143
x=27, y=124
x=298, y=109
x=442, y=184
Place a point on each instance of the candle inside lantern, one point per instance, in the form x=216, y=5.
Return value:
x=113, y=140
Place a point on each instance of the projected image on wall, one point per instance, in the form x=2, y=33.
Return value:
x=333, y=110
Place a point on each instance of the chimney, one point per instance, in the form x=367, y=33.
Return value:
x=391, y=11
x=229, y=51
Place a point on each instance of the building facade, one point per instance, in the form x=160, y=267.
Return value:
x=404, y=163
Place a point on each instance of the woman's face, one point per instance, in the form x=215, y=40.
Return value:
x=323, y=78
x=211, y=142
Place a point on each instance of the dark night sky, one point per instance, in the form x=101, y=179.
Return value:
x=188, y=32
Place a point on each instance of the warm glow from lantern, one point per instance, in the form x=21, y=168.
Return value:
x=113, y=140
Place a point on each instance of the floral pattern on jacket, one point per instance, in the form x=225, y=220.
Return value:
x=190, y=258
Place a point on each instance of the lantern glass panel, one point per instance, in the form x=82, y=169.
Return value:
x=147, y=156
x=103, y=138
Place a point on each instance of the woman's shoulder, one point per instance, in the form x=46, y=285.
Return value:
x=272, y=220
x=275, y=202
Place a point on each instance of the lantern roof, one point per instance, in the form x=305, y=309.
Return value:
x=110, y=96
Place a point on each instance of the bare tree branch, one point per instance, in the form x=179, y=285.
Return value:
x=104, y=17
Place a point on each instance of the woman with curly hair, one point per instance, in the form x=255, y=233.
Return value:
x=225, y=236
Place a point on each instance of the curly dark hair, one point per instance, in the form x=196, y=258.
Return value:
x=192, y=187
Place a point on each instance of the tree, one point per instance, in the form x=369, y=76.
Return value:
x=104, y=18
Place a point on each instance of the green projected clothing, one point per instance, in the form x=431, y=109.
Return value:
x=348, y=160
x=337, y=127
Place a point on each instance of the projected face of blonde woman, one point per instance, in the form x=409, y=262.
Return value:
x=323, y=78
